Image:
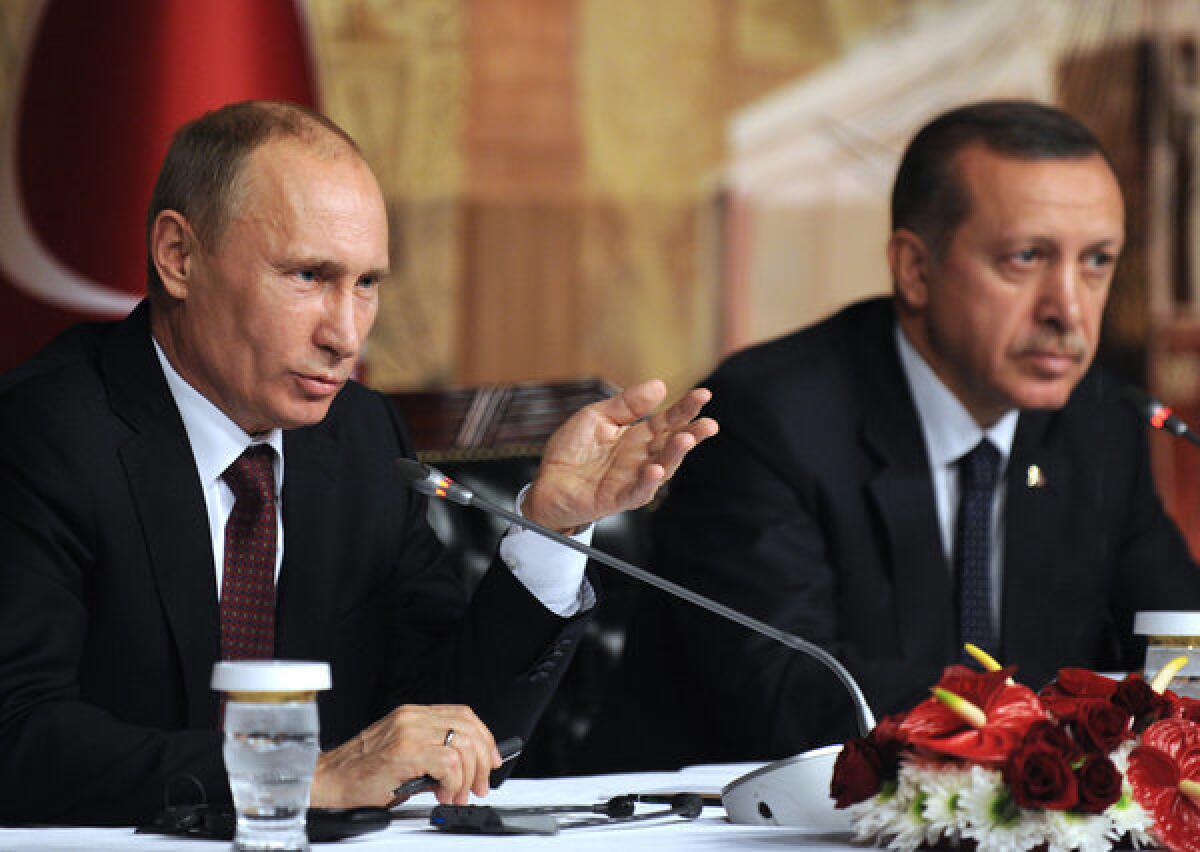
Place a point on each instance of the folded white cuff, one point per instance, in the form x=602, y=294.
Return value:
x=552, y=573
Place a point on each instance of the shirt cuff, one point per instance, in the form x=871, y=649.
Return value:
x=552, y=573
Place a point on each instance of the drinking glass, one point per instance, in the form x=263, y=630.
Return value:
x=1170, y=635
x=271, y=747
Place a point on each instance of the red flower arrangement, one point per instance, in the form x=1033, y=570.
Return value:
x=1083, y=764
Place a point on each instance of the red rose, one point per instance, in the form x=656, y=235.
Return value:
x=1101, y=726
x=856, y=774
x=1137, y=698
x=1045, y=735
x=1084, y=683
x=1099, y=784
x=1074, y=687
x=1041, y=779
x=889, y=741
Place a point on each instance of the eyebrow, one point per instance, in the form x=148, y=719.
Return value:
x=330, y=268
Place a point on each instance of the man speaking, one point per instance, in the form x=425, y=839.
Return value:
x=202, y=481
x=917, y=472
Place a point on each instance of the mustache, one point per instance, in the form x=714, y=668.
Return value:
x=1071, y=343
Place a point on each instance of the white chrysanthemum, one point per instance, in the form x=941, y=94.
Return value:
x=895, y=816
x=1065, y=831
x=946, y=817
x=994, y=820
x=869, y=819
x=909, y=830
x=1128, y=819
x=873, y=818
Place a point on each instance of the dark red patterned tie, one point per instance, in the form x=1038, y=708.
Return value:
x=248, y=582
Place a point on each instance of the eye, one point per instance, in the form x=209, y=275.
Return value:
x=1026, y=255
x=1099, y=260
x=368, y=282
x=308, y=276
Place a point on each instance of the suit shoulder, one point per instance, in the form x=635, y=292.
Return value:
x=366, y=415
x=814, y=363
x=1098, y=416
x=62, y=392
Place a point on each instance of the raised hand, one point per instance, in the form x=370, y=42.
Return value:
x=614, y=454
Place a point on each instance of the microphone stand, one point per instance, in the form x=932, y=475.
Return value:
x=790, y=792
x=435, y=484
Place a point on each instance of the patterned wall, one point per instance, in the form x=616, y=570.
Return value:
x=546, y=165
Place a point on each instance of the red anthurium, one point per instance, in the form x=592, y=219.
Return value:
x=1164, y=771
x=974, y=716
x=1182, y=707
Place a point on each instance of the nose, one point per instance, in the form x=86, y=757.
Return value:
x=1058, y=297
x=337, y=332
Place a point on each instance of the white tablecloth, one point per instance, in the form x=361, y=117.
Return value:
x=710, y=831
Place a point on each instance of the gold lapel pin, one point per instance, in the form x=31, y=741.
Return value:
x=1034, y=478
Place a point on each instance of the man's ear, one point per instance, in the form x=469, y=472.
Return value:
x=173, y=247
x=911, y=263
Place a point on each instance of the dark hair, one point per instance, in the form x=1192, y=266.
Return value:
x=928, y=197
x=199, y=174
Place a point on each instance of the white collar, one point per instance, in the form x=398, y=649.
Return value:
x=950, y=430
x=216, y=440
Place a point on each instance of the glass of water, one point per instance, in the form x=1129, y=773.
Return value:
x=271, y=746
x=1170, y=635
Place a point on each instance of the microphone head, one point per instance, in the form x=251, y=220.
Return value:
x=411, y=470
x=431, y=482
x=1142, y=401
x=1154, y=412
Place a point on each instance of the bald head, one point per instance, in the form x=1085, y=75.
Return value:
x=202, y=176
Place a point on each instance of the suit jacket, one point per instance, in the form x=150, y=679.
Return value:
x=109, y=622
x=813, y=510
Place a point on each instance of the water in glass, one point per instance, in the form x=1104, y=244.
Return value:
x=270, y=752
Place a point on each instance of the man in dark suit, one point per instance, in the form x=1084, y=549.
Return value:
x=916, y=472
x=141, y=539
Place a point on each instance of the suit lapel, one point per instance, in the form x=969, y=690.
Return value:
x=903, y=495
x=308, y=580
x=1034, y=515
x=161, y=471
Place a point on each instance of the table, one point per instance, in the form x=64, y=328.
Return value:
x=710, y=831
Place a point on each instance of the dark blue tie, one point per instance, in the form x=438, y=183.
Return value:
x=973, y=544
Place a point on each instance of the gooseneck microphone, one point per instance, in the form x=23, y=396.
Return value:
x=433, y=483
x=1158, y=415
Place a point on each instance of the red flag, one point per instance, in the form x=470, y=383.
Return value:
x=102, y=88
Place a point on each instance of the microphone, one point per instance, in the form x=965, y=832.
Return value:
x=1158, y=415
x=433, y=483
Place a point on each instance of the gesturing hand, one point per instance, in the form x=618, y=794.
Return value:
x=614, y=454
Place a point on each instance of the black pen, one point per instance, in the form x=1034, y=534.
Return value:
x=509, y=749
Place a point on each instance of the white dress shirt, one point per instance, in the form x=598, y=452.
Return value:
x=552, y=573
x=950, y=433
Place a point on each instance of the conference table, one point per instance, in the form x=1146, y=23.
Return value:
x=710, y=831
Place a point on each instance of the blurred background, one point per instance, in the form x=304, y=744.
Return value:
x=598, y=188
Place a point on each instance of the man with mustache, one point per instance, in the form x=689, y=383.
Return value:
x=917, y=472
x=201, y=481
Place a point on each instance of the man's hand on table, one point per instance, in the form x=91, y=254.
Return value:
x=407, y=743
x=613, y=455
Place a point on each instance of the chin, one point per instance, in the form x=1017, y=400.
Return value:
x=1044, y=396
x=299, y=415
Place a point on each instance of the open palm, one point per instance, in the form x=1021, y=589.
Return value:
x=614, y=454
